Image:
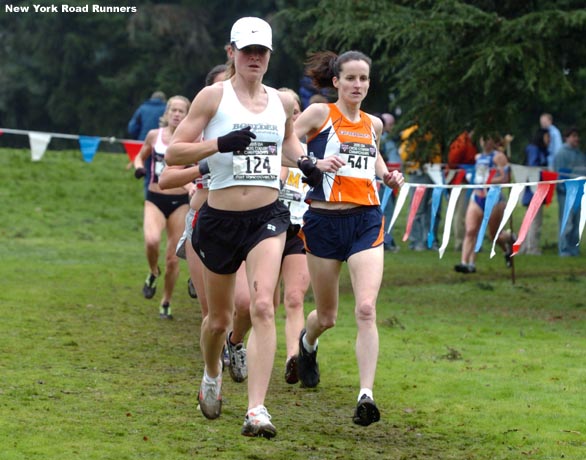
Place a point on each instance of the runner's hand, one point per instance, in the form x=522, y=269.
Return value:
x=235, y=140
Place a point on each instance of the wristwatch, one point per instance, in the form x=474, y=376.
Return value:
x=302, y=158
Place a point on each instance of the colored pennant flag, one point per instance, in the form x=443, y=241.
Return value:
x=436, y=200
x=39, y=143
x=132, y=148
x=582, y=214
x=455, y=177
x=514, y=195
x=454, y=195
x=386, y=196
x=532, y=210
x=401, y=199
x=545, y=176
x=415, y=202
x=89, y=147
x=573, y=190
x=492, y=198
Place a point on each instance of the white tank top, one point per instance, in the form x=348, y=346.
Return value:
x=260, y=163
x=158, y=159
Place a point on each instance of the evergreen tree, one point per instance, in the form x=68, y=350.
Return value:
x=454, y=63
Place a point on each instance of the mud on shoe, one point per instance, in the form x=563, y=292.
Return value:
x=191, y=289
x=307, y=366
x=366, y=412
x=210, y=397
x=257, y=423
x=291, y=375
x=238, y=367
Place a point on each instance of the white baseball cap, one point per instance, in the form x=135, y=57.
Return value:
x=251, y=31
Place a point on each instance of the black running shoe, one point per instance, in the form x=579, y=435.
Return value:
x=307, y=366
x=366, y=412
x=150, y=285
x=509, y=251
x=291, y=376
x=509, y=259
x=225, y=358
x=464, y=268
x=165, y=311
x=191, y=289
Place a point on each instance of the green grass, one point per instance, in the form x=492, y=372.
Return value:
x=470, y=367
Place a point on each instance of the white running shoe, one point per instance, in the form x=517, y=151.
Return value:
x=238, y=365
x=258, y=423
x=210, y=397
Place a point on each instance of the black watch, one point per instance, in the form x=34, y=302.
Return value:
x=302, y=158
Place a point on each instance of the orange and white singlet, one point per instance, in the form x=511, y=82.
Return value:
x=355, y=182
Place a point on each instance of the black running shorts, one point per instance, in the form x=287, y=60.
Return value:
x=223, y=239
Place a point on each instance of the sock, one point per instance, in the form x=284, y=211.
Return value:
x=209, y=379
x=307, y=346
x=365, y=391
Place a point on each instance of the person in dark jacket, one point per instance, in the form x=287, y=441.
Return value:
x=147, y=116
x=536, y=154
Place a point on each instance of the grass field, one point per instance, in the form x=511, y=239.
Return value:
x=470, y=367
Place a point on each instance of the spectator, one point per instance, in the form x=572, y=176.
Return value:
x=555, y=137
x=307, y=90
x=462, y=154
x=416, y=174
x=147, y=116
x=318, y=98
x=536, y=154
x=390, y=153
x=569, y=160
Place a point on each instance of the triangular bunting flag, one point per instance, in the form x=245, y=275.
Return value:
x=39, y=142
x=403, y=193
x=572, y=189
x=455, y=177
x=492, y=198
x=582, y=214
x=436, y=200
x=132, y=148
x=386, y=196
x=454, y=195
x=89, y=147
x=514, y=195
x=532, y=210
x=545, y=176
x=415, y=202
